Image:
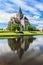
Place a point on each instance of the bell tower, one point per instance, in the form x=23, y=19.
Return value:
x=20, y=14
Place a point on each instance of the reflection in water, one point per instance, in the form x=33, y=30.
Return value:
x=20, y=45
x=22, y=51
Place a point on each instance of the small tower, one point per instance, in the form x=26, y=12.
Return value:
x=19, y=14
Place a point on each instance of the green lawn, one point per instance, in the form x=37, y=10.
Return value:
x=33, y=32
x=5, y=33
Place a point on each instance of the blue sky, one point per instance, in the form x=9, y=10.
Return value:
x=33, y=9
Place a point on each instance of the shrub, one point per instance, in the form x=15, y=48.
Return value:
x=29, y=28
x=15, y=27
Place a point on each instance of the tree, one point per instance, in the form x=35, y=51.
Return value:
x=29, y=28
x=15, y=27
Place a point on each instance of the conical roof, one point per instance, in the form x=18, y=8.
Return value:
x=20, y=11
x=20, y=14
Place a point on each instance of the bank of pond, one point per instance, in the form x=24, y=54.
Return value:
x=7, y=33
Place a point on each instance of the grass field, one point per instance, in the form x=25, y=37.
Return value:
x=33, y=32
x=8, y=34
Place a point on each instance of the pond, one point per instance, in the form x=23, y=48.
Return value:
x=25, y=50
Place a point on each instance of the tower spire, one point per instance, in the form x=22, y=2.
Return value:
x=20, y=11
x=20, y=14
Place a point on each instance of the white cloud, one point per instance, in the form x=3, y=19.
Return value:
x=9, y=7
x=39, y=23
x=36, y=17
x=5, y=17
x=24, y=6
x=33, y=21
x=39, y=6
x=40, y=27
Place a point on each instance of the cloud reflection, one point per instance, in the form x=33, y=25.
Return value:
x=4, y=48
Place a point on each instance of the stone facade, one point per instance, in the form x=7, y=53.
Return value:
x=20, y=19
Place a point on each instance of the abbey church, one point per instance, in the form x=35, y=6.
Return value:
x=19, y=19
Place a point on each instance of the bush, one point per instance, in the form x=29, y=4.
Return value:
x=15, y=27
x=29, y=28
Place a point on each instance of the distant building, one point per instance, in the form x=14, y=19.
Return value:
x=19, y=19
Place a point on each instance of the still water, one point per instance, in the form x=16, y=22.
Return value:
x=26, y=50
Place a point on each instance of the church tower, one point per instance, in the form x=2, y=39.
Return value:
x=19, y=14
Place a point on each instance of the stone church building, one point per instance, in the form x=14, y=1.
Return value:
x=19, y=19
